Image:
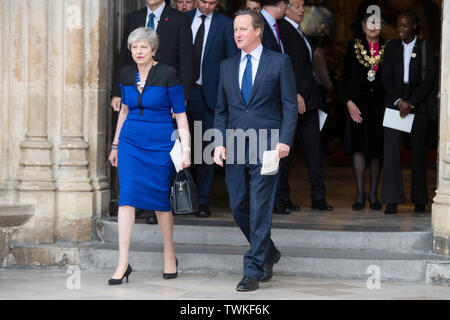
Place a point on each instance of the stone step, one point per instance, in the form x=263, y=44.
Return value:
x=406, y=242
x=305, y=262
x=13, y=215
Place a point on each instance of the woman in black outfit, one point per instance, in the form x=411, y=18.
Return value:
x=364, y=96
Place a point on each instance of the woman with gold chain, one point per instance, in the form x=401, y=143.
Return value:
x=363, y=95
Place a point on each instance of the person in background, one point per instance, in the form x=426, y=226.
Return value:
x=141, y=148
x=253, y=5
x=409, y=74
x=213, y=42
x=363, y=95
x=184, y=5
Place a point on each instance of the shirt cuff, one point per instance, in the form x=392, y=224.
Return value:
x=396, y=101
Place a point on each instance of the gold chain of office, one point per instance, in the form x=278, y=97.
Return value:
x=368, y=61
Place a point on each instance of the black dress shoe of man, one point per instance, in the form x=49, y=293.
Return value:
x=268, y=267
x=321, y=205
x=391, y=208
x=419, y=208
x=292, y=207
x=203, y=212
x=151, y=220
x=280, y=208
x=247, y=284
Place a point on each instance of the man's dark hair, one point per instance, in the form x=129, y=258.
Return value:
x=273, y=3
x=257, y=20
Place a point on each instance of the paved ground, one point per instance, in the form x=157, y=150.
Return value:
x=53, y=284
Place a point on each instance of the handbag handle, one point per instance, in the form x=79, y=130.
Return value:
x=187, y=174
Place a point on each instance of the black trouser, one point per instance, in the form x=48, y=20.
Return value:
x=308, y=132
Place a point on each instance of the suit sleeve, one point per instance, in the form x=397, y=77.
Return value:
x=388, y=75
x=122, y=59
x=221, y=110
x=185, y=52
x=288, y=103
x=421, y=92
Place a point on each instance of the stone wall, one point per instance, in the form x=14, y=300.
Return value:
x=53, y=124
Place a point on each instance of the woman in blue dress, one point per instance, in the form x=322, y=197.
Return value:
x=142, y=144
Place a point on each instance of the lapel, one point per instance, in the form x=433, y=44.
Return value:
x=237, y=63
x=142, y=17
x=271, y=37
x=262, y=68
x=211, y=33
x=163, y=20
x=401, y=60
x=415, y=61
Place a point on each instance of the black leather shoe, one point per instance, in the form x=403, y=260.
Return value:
x=376, y=206
x=169, y=276
x=419, y=208
x=247, y=284
x=391, y=208
x=358, y=206
x=268, y=267
x=151, y=220
x=203, y=212
x=321, y=205
x=280, y=208
x=292, y=207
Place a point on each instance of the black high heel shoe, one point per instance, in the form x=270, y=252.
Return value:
x=169, y=276
x=114, y=282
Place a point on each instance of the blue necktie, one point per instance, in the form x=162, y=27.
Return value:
x=247, y=84
x=151, y=23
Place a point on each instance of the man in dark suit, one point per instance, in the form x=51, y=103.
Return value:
x=297, y=46
x=256, y=96
x=408, y=78
x=175, y=43
x=272, y=11
x=213, y=41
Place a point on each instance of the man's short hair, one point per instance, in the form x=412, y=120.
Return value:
x=257, y=20
x=273, y=3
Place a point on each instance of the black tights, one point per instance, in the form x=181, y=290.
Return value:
x=359, y=167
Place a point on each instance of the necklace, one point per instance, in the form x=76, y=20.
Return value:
x=367, y=61
x=141, y=84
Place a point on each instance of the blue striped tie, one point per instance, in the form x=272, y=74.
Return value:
x=247, y=84
x=151, y=23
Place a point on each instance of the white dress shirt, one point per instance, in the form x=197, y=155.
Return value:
x=407, y=54
x=299, y=30
x=271, y=20
x=157, y=13
x=196, y=23
x=256, y=56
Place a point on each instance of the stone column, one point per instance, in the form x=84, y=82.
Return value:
x=441, y=205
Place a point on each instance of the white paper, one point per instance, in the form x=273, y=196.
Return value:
x=270, y=163
x=322, y=118
x=393, y=120
x=176, y=154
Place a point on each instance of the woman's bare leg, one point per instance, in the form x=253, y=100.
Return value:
x=126, y=218
x=165, y=222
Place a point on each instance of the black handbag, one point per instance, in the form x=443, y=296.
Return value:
x=183, y=194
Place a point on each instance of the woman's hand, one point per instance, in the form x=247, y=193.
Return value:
x=186, y=159
x=113, y=158
x=354, y=112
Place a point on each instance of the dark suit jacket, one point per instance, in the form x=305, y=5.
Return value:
x=296, y=48
x=269, y=40
x=273, y=101
x=219, y=45
x=393, y=72
x=175, y=45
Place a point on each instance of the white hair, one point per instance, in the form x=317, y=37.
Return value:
x=144, y=34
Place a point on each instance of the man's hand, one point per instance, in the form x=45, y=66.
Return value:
x=116, y=102
x=283, y=150
x=301, y=104
x=405, y=107
x=354, y=112
x=220, y=154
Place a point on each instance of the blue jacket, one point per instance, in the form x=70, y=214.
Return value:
x=219, y=46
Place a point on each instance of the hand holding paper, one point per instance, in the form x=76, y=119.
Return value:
x=393, y=120
x=271, y=163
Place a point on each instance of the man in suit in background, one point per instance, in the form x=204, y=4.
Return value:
x=175, y=47
x=213, y=42
x=272, y=11
x=297, y=46
x=408, y=78
x=256, y=93
x=175, y=43
x=184, y=5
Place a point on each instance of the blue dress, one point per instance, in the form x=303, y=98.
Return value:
x=145, y=141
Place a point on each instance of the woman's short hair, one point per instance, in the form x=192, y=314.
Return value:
x=257, y=20
x=144, y=34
